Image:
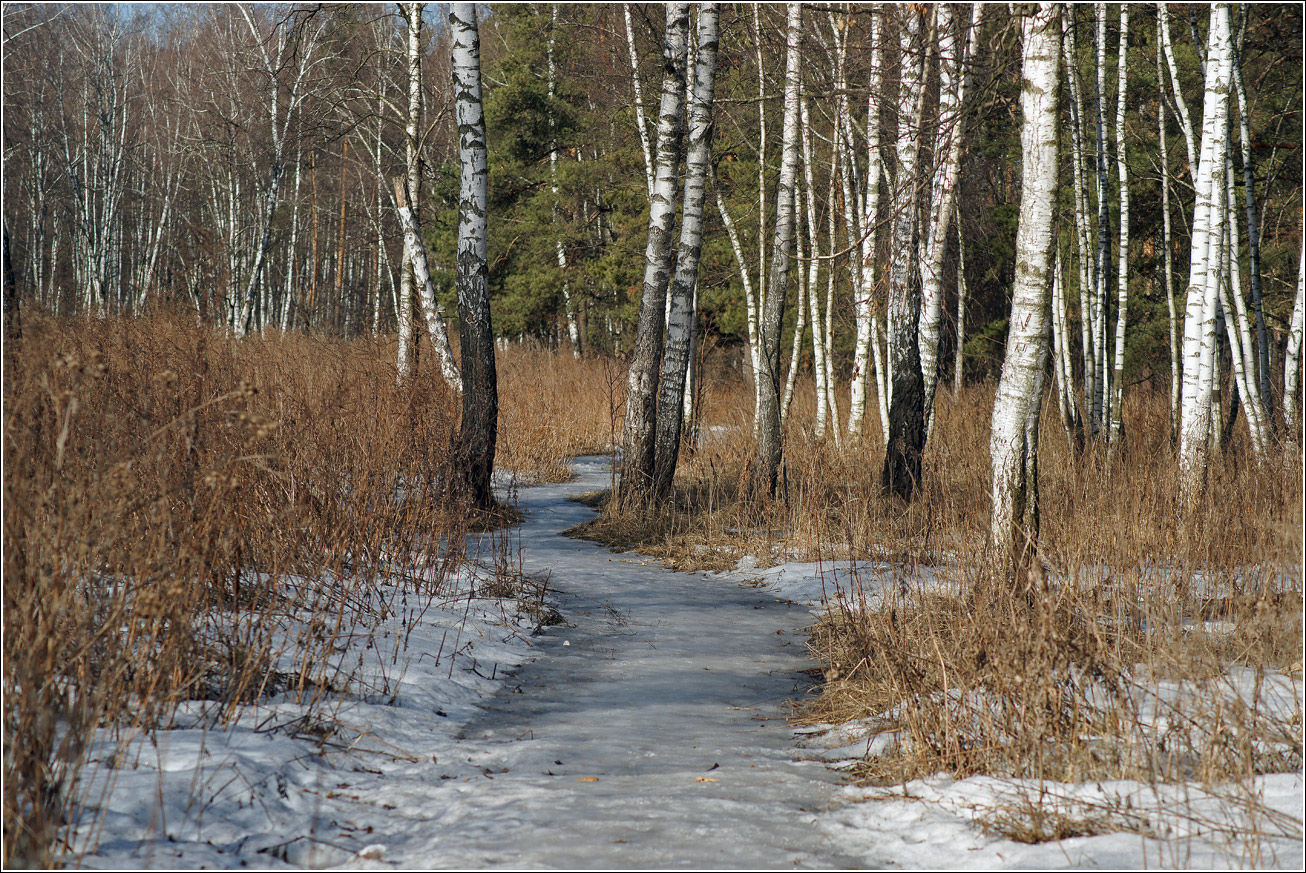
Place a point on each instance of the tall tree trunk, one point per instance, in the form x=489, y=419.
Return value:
x=640, y=124
x=1013, y=444
x=1200, y=338
x=1088, y=275
x=478, y=434
x=675, y=361
x=1166, y=242
x=906, y=437
x=1253, y=227
x=958, y=363
x=404, y=316
x=953, y=75
x=1102, y=396
x=813, y=272
x=863, y=305
x=765, y=464
x=1292, y=354
x=750, y=297
x=1181, y=105
x=415, y=255
x=641, y=396
x=569, y=310
x=1115, y=428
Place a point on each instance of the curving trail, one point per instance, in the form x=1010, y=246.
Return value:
x=649, y=731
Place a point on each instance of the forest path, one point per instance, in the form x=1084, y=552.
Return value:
x=649, y=732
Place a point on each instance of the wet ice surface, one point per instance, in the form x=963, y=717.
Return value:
x=670, y=690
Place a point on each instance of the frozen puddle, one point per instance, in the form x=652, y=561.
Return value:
x=649, y=732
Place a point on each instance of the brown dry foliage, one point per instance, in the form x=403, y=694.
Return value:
x=162, y=485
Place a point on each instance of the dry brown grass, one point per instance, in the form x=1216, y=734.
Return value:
x=174, y=501
x=552, y=408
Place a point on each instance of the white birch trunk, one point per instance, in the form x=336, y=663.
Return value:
x=1083, y=232
x=1292, y=354
x=640, y=124
x=1204, y=275
x=906, y=434
x=404, y=314
x=569, y=311
x=813, y=274
x=959, y=361
x=1236, y=323
x=415, y=254
x=638, y=457
x=765, y=465
x=863, y=304
x=478, y=432
x=1169, y=249
x=1102, y=394
x=1116, y=425
x=680, y=325
x=750, y=297
x=1253, y=230
x=1013, y=444
x=1181, y=105
x=948, y=142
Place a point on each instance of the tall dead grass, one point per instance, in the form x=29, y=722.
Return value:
x=554, y=407
x=191, y=518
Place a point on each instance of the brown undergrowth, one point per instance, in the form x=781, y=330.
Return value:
x=188, y=517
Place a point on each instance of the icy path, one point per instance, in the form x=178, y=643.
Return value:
x=648, y=733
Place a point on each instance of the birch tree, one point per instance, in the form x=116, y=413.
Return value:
x=412, y=119
x=906, y=437
x=1200, y=339
x=1013, y=444
x=863, y=303
x=953, y=76
x=1292, y=354
x=765, y=463
x=1115, y=426
x=415, y=258
x=478, y=434
x=641, y=394
x=675, y=360
x=573, y=329
x=290, y=52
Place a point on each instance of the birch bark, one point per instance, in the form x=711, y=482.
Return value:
x=863, y=305
x=478, y=434
x=415, y=256
x=640, y=124
x=765, y=464
x=1204, y=272
x=569, y=310
x=675, y=360
x=1013, y=444
x=1292, y=354
x=638, y=456
x=1166, y=242
x=906, y=436
x=404, y=315
x=952, y=97
x=1115, y=429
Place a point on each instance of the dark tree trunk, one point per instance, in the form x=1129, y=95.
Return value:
x=479, y=431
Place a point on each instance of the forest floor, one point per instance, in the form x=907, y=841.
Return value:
x=632, y=717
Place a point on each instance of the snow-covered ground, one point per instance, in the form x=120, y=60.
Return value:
x=648, y=729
